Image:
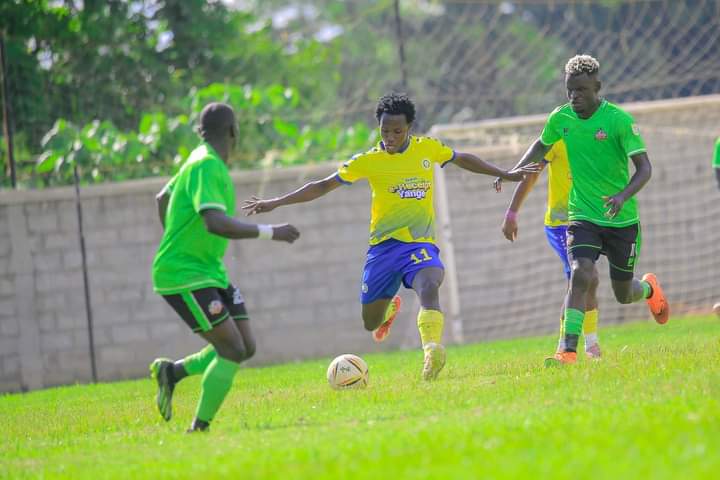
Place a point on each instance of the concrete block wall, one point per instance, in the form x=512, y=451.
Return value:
x=303, y=298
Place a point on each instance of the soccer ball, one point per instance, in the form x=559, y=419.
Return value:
x=347, y=371
x=716, y=309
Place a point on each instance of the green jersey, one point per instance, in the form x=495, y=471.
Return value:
x=189, y=257
x=716, y=156
x=598, y=150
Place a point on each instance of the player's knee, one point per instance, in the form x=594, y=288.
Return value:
x=234, y=351
x=249, y=349
x=582, y=276
x=428, y=289
x=623, y=294
x=371, y=320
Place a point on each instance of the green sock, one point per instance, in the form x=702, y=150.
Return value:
x=647, y=289
x=573, y=328
x=216, y=383
x=197, y=363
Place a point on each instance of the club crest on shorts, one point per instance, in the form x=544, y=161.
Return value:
x=601, y=134
x=215, y=307
x=364, y=288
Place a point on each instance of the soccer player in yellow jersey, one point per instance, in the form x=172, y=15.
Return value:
x=556, y=225
x=402, y=225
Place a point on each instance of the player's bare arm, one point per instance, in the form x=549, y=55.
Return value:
x=218, y=223
x=162, y=199
x=308, y=192
x=532, y=156
x=510, y=223
x=643, y=172
x=474, y=164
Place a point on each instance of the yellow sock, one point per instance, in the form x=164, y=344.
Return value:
x=430, y=324
x=590, y=322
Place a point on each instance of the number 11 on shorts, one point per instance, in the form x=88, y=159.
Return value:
x=425, y=257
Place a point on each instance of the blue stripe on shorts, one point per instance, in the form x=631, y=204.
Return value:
x=557, y=238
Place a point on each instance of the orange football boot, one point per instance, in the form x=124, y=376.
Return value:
x=657, y=302
x=382, y=332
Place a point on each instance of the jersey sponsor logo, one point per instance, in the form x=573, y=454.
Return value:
x=601, y=135
x=426, y=164
x=215, y=307
x=416, y=188
x=635, y=129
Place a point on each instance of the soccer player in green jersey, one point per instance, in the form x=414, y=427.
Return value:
x=602, y=208
x=556, y=226
x=716, y=161
x=196, y=209
x=402, y=225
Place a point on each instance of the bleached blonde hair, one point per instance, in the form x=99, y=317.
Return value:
x=580, y=64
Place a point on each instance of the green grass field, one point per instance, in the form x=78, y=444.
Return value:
x=650, y=409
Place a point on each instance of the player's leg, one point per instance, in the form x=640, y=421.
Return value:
x=235, y=303
x=423, y=271
x=584, y=245
x=557, y=239
x=218, y=377
x=623, y=249
x=206, y=314
x=590, y=322
x=380, y=283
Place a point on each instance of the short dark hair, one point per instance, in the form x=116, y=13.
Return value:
x=215, y=119
x=395, y=104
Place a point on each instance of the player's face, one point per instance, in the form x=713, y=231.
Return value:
x=394, y=131
x=582, y=92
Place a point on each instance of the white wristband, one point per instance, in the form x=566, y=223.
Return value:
x=265, y=232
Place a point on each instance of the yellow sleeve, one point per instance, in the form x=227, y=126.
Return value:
x=442, y=154
x=352, y=170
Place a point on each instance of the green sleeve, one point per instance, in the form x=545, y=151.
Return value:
x=208, y=185
x=551, y=131
x=716, y=156
x=630, y=138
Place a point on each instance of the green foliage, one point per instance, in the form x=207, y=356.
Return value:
x=161, y=142
x=649, y=409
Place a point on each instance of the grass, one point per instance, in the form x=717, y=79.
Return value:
x=649, y=409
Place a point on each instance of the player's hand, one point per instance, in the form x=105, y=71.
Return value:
x=517, y=174
x=497, y=184
x=510, y=228
x=284, y=232
x=257, y=205
x=613, y=204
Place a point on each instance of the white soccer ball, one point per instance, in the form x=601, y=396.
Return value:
x=347, y=371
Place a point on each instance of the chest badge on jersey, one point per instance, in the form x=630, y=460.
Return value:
x=566, y=131
x=426, y=164
x=601, y=135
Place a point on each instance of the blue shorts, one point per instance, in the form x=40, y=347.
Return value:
x=391, y=262
x=557, y=238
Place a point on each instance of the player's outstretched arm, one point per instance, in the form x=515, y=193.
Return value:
x=534, y=154
x=309, y=191
x=510, y=223
x=643, y=172
x=474, y=164
x=218, y=223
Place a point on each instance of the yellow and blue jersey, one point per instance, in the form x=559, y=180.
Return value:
x=559, y=185
x=402, y=187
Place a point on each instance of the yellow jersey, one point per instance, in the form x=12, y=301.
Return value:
x=402, y=188
x=559, y=184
